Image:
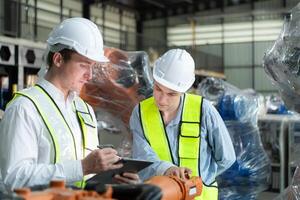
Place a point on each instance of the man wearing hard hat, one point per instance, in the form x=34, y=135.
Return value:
x=47, y=131
x=182, y=134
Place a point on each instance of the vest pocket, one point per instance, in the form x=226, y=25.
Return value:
x=190, y=129
x=87, y=119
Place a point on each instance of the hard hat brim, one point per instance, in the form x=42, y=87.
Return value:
x=101, y=59
x=95, y=57
x=171, y=86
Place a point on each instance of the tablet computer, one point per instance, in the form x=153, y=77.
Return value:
x=129, y=165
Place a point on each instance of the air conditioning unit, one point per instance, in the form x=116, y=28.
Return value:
x=7, y=54
x=30, y=57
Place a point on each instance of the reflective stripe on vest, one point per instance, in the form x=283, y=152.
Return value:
x=86, y=120
x=154, y=129
x=189, y=137
x=63, y=144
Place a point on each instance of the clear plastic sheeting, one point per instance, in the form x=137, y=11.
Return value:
x=1, y=114
x=282, y=64
x=231, y=102
x=282, y=61
x=2, y=187
x=292, y=192
x=294, y=143
x=275, y=105
x=212, y=89
x=116, y=87
x=250, y=174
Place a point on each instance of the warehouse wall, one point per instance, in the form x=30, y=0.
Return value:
x=228, y=40
x=118, y=27
x=154, y=35
x=243, y=61
x=292, y=3
x=1, y=16
x=261, y=81
x=238, y=64
x=233, y=41
x=245, y=70
x=209, y=57
x=48, y=16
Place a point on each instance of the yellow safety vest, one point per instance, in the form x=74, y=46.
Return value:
x=189, y=137
x=59, y=130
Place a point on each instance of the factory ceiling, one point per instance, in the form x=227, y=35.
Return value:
x=152, y=9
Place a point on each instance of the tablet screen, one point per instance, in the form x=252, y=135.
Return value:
x=129, y=165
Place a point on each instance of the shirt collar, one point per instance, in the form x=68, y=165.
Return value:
x=56, y=93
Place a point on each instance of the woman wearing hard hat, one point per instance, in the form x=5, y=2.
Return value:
x=47, y=131
x=182, y=134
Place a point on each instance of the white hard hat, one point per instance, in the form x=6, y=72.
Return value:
x=80, y=35
x=175, y=70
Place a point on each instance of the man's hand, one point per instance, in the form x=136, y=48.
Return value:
x=100, y=160
x=181, y=172
x=127, y=178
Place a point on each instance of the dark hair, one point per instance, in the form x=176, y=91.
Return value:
x=65, y=53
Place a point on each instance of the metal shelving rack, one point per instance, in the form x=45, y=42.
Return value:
x=20, y=57
x=274, y=135
x=293, y=147
x=8, y=71
x=280, y=135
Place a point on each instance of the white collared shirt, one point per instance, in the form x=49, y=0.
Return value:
x=26, y=147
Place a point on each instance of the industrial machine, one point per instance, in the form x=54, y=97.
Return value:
x=156, y=188
x=116, y=87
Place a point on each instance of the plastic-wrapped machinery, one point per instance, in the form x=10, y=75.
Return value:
x=282, y=64
x=116, y=87
x=250, y=174
x=292, y=192
x=282, y=61
x=156, y=188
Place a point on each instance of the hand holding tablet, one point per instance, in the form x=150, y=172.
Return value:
x=129, y=165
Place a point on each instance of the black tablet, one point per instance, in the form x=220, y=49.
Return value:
x=129, y=165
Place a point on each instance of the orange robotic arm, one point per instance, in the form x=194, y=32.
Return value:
x=174, y=188
x=160, y=188
x=58, y=191
x=156, y=188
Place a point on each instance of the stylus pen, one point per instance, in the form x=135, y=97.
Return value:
x=103, y=146
x=88, y=149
